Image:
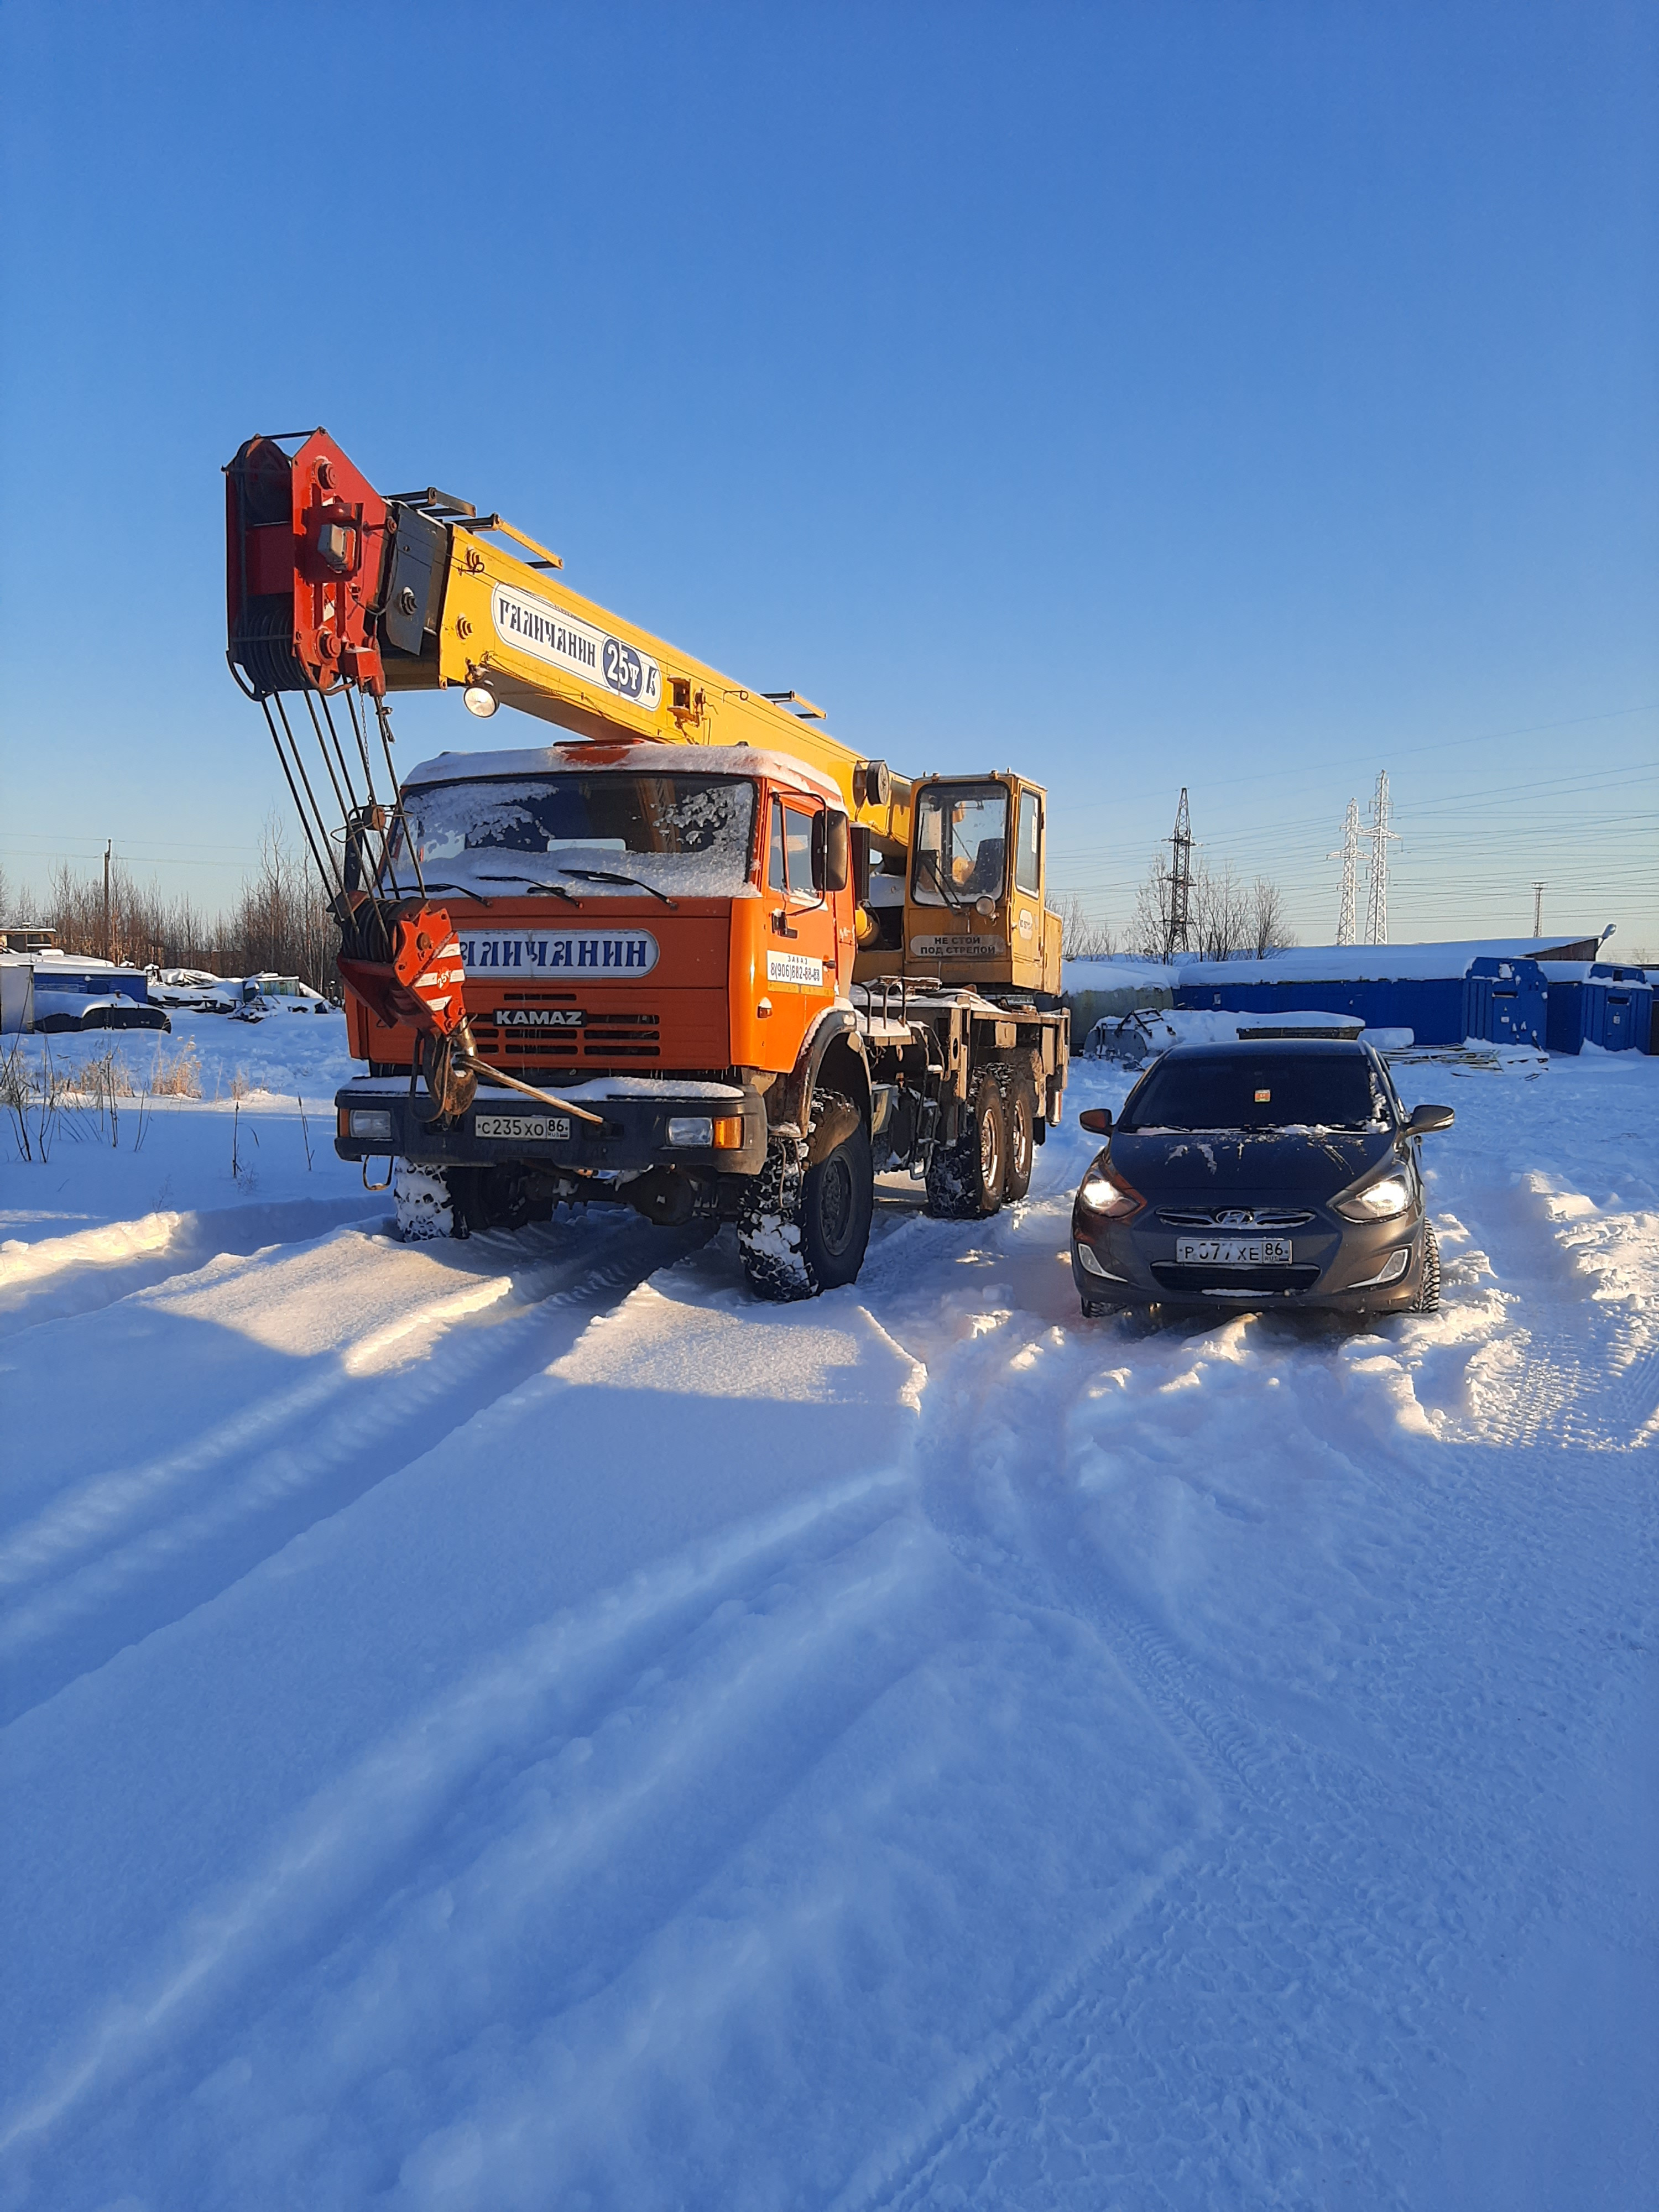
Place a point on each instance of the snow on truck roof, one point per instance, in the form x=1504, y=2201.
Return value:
x=652, y=757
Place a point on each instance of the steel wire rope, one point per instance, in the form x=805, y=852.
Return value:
x=304, y=826
x=317, y=814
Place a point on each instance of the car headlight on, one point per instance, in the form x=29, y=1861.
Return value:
x=1390, y=1196
x=1105, y=1192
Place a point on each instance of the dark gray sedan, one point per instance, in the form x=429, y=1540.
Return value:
x=1251, y=1174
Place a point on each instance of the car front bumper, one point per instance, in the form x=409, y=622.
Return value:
x=1334, y=1266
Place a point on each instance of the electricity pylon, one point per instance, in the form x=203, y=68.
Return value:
x=1380, y=837
x=1179, y=931
x=1348, y=853
x=1538, y=891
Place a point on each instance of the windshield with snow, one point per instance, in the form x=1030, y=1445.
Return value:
x=590, y=836
x=1239, y=1090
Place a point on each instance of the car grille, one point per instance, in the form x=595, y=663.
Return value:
x=1233, y=1217
x=1206, y=1279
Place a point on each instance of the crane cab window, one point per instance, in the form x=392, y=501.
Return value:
x=790, y=860
x=1028, y=854
x=962, y=844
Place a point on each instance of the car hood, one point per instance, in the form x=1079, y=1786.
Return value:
x=1307, y=1165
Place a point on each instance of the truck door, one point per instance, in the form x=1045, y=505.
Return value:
x=800, y=943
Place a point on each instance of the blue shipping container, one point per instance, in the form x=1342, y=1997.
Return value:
x=1431, y=1007
x=1506, y=1002
x=1619, y=1016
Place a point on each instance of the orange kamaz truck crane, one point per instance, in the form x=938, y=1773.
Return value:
x=696, y=955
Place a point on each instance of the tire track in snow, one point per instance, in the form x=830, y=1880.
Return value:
x=413, y=1817
x=106, y=1563
x=89, y=1269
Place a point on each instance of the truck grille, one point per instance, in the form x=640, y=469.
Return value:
x=605, y=1040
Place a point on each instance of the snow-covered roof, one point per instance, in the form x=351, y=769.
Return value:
x=652, y=758
x=1374, y=963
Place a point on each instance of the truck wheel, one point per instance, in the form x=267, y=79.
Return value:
x=1019, y=1105
x=965, y=1179
x=425, y=1209
x=803, y=1229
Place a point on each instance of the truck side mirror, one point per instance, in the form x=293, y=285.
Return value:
x=836, y=871
x=1096, y=1120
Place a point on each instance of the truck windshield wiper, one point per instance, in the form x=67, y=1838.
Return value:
x=606, y=876
x=437, y=883
x=533, y=884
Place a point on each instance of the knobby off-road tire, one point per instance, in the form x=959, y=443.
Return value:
x=1427, y=1300
x=1019, y=1107
x=803, y=1229
x=965, y=1179
x=425, y=1209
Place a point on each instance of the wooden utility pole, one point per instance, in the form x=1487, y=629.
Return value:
x=108, y=841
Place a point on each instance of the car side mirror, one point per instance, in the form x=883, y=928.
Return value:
x=1096, y=1120
x=1424, y=1118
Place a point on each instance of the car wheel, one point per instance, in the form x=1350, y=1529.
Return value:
x=1427, y=1300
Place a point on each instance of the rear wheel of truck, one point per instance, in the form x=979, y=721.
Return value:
x=965, y=1179
x=805, y=1221
x=1020, y=1106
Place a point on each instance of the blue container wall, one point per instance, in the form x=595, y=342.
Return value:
x=1433, y=1009
x=1619, y=1016
x=1506, y=1002
x=1565, y=1027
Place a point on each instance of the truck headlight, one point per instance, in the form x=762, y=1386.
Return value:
x=1391, y=1195
x=371, y=1122
x=691, y=1129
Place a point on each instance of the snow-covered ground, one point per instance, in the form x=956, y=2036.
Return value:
x=513, y=1724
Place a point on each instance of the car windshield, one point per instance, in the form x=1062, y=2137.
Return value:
x=961, y=841
x=1247, y=1091
x=688, y=836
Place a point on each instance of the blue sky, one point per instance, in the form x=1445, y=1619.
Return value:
x=1244, y=397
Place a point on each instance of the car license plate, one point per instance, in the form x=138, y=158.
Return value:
x=1233, y=1251
x=523, y=1129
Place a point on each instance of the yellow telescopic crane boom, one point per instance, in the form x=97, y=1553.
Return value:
x=331, y=586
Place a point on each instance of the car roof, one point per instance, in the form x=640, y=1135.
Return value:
x=1275, y=1047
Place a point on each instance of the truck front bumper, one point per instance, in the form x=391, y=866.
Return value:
x=645, y=1124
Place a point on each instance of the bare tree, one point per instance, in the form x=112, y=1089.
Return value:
x=1229, y=916
x=1149, y=930
x=279, y=921
x=1082, y=938
x=1269, y=931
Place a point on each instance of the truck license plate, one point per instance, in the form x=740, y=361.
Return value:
x=1233, y=1251
x=523, y=1129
